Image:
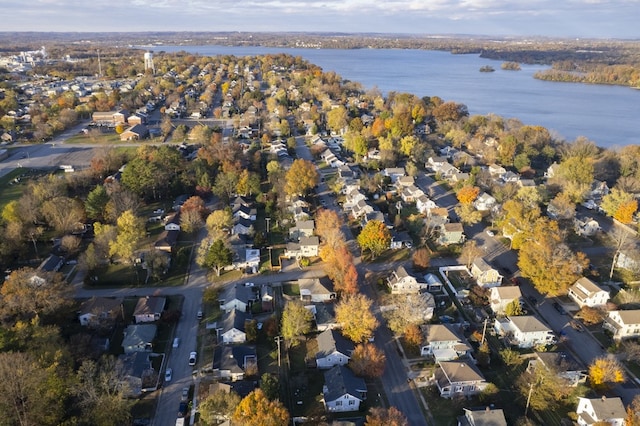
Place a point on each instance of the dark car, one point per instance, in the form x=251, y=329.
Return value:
x=533, y=300
x=559, y=308
x=182, y=410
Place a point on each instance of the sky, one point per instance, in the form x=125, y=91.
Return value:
x=554, y=18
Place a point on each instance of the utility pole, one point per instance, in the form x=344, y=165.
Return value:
x=99, y=65
x=526, y=408
x=278, y=342
x=484, y=330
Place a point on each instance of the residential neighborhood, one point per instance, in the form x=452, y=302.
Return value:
x=253, y=229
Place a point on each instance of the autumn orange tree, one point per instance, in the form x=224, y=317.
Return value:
x=386, y=417
x=27, y=293
x=605, y=372
x=467, y=194
x=421, y=258
x=367, y=361
x=301, y=177
x=375, y=237
x=257, y=410
x=548, y=261
x=355, y=316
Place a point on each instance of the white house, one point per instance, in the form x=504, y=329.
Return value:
x=628, y=260
x=587, y=226
x=458, y=378
x=342, y=390
x=232, y=363
x=239, y=296
x=333, y=349
x=623, y=324
x=484, y=202
x=424, y=204
x=524, y=331
x=232, y=328
x=401, y=282
x=442, y=342
x=587, y=293
x=596, y=410
x=486, y=276
x=316, y=290
x=149, y=309
x=394, y=173
x=500, y=297
x=303, y=228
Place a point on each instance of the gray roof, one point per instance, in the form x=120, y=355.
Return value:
x=440, y=333
x=559, y=361
x=482, y=264
x=240, y=292
x=339, y=380
x=330, y=341
x=99, y=305
x=528, y=323
x=150, y=305
x=137, y=334
x=316, y=285
x=458, y=371
x=607, y=408
x=234, y=319
x=483, y=417
x=232, y=357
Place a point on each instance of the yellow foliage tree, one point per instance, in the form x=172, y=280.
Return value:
x=604, y=372
x=257, y=410
x=301, y=177
x=625, y=211
x=375, y=237
x=467, y=194
x=354, y=314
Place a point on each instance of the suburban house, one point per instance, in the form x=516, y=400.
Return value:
x=434, y=285
x=587, y=293
x=342, y=390
x=442, y=342
x=458, y=378
x=52, y=263
x=245, y=212
x=266, y=296
x=500, y=297
x=232, y=363
x=394, y=173
x=400, y=239
x=451, y=233
x=149, y=309
x=482, y=417
x=437, y=164
x=623, y=324
x=333, y=349
x=586, y=227
x=486, y=275
x=409, y=194
x=172, y=222
x=561, y=364
x=424, y=204
x=139, y=338
x=99, y=311
x=593, y=411
x=324, y=316
x=401, y=282
x=137, y=132
x=246, y=258
x=524, y=331
x=240, y=296
x=496, y=170
x=137, y=372
x=360, y=209
x=167, y=241
x=628, y=260
x=316, y=290
x=307, y=247
x=436, y=218
x=243, y=227
x=303, y=228
x=484, y=202
x=232, y=327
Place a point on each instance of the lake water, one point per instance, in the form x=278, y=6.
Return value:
x=607, y=115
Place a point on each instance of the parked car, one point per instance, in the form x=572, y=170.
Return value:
x=192, y=358
x=168, y=374
x=182, y=409
x=185, y=394
x=559, y=308
x=176, y=342
x=490, y=233
x=199, y=314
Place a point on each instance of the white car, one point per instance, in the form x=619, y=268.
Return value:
x=168, y=374
x=176, y=342
x=192, y=358
x=490, y=233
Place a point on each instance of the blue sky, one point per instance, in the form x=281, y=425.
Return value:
x=563, y=18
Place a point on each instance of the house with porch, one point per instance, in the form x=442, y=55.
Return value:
x=587, y=293
x=623, y=324
x=139, y=338
x=525, y=331
x=149, y=309
x=232, y=363
x=451, y=233
x=458, y=378
x=239, y=296
x=316, y=290
x=307, y=247
x=303, y=228
x=342, y=390
x=596, y=411
x=443, y=342
x=401, y=282
x=561, y=364
x=486, y=275
x=500, y=297
x=333, y=349
x=232, y=327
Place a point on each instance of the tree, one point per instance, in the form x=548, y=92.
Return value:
x=257, y=410
x=70, y=244
x=543, y=388
x=468, y=214
x=220, y=405
x=157, y=263
x=27, y=292
x=615, y=200
x=470, y=251
x=89, y=259
x=96, y=203
x=548, y=261
x=301, y=177
x=219, y=221
x=270, y=386
x=467, y=194
x=511, y=358
x=353, y=313
x=375, y=237
x=101, y=393
x=633, y=412
x=191, y=221
x=296, y=321
x=408, y=309
x=337, y=119
x=386, y=417
x=604, y=372
x=591, y=315
x=367, y=361
x=514, y=308
x=225, y=185
x=248, y=183
x=328, y=225
x=63, y=213
x=130, y=232
x=421, y=258
x=218, y=256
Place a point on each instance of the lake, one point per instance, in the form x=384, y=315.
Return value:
x=607, y=115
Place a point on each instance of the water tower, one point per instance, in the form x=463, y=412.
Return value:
x=148, y=62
